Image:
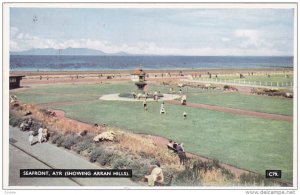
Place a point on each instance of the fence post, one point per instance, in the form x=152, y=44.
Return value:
x=277, y=84
x=271, y=83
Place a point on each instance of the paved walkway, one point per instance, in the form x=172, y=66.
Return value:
x=45, y=155
x=237, y=111
x=116, y=97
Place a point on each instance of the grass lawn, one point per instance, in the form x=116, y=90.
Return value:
x=69, y=92
x=262, y=78
x=275, y=105
x=185, y=89
x=249, y=143
x=93, y=89
x=32, y=98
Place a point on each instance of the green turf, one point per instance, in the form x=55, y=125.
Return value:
x=69, y=92
x=160, y=88
x=93, y=89
x=256, y=79
x=266, y=104
x=185, y=89
x=38, y=99
x=249, y=143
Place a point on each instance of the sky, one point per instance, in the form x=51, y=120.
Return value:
x=201, y=32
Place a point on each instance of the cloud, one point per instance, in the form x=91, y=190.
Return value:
x=13, y=31
x=251, y=44
x=252, y=39
x=225, y=39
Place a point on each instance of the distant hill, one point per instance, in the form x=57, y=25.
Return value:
x=67, y=51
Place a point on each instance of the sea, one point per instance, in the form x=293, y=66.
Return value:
x=94, y=63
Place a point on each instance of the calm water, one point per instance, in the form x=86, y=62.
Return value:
x=59, y=62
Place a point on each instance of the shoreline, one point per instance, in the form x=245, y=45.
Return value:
x=150, y=71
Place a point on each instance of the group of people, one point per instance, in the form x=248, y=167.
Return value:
x=26, y=124
x=42, y=136
x=162, y=108
x=178, y=148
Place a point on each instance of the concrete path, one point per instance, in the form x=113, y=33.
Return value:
x=20, y=160
x=115, y=97
x=48, y=156
x=237, y=111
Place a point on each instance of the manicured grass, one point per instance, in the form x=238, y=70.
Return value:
x=39, y=99
x=69, y=92
x=160, y=88
x=94, y=89
x=185, y=89
x=260, y=78
x=275, y=105
x=249, y=143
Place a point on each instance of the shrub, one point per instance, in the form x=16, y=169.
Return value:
x=214, y=164
x=84, y=145
x=187, y=177
x=54, y=136
x=59, y=141
x=69, y=141
x=95, y=154
x=153, y=161
x=107, y=157
x=226, y=87
x=228, y=174
x=15, y=122
x=122, y=162
x=139, y=170
x=254, y=179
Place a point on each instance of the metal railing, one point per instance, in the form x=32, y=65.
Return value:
x=246, y=82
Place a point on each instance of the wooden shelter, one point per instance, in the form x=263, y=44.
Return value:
x=15, y=81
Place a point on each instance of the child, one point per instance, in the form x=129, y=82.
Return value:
x=145, y=104
x=40, y=135
x=162, y=108
x=30, y=139
x=184, y=115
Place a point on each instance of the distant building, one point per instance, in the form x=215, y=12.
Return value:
x=14, y=81
x=138, y=75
